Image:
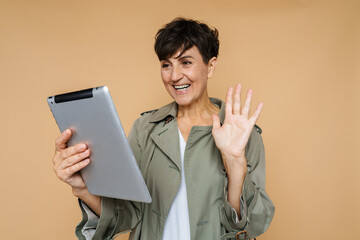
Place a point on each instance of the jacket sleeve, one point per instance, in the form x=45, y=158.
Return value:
x=116, y=215
x=257, y=208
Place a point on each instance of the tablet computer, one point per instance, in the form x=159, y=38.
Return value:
x=92, y=117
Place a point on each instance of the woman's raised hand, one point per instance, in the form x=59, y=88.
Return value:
x=231, y=138
x=69, y=160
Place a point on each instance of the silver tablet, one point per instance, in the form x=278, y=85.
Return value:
x=91, y=114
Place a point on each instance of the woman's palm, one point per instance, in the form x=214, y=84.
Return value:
x=231, y=138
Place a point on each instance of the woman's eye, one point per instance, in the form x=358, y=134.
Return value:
x=165, y=65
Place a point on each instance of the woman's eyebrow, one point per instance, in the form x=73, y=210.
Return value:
x=186, y=56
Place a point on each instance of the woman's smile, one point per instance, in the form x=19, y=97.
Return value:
x=181, y=88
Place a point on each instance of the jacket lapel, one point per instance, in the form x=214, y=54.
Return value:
x=166, y=138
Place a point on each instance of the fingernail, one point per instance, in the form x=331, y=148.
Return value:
x=82, y=146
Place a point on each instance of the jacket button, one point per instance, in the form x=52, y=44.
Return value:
x=242, y=234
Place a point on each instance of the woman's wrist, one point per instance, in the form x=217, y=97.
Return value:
x=92, y=201
x=229, y=155
x=236, y=166
x=80, y=192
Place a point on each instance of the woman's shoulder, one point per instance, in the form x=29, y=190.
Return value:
x=155, y=116
x=257, y=129
x=147, y=113
x=255, y=136
x=144, y=120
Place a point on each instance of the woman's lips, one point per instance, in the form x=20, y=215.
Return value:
x=182, y=87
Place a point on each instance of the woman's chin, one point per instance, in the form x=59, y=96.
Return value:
x=181, y=101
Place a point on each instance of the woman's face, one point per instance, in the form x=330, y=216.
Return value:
x=185, y=77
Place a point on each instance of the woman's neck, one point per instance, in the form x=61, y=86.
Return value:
x=198, y=111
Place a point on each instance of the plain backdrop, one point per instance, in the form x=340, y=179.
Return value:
x=301, y=57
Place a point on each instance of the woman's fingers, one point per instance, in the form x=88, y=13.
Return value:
x=235, y=109
x=69, y=160
x=256, y=114
x=60, y=155
x=74, y=159
x=68, y=173
x=237, y=102
x=68, y=152
x=228, y=103
x=246, y=108
x=76, y=167
x=61, y=140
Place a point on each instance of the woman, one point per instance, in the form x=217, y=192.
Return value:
x=203, y=160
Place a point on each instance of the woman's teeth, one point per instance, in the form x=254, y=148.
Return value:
x=181, y=87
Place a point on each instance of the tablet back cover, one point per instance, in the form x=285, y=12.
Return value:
x=92, y=117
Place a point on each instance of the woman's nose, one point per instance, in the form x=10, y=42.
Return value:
x=176, y=74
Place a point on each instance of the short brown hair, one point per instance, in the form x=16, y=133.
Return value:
x=182, y=34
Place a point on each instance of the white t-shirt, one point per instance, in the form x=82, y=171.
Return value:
x=177, y=226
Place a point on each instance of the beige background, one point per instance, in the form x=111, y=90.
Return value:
x=300, y=57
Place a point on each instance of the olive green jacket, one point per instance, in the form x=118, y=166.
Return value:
x=155, y=143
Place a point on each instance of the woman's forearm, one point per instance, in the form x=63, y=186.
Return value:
x=234, y=194
x=92, y=201
x=236, y=176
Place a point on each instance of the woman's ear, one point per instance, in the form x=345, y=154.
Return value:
x=212, y=66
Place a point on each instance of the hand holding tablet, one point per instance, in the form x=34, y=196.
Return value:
x=68, y=161
x=112, y=170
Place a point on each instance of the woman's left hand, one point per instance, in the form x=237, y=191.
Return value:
x=231, y=138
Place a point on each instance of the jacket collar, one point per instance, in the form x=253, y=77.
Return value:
x=171, y=110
